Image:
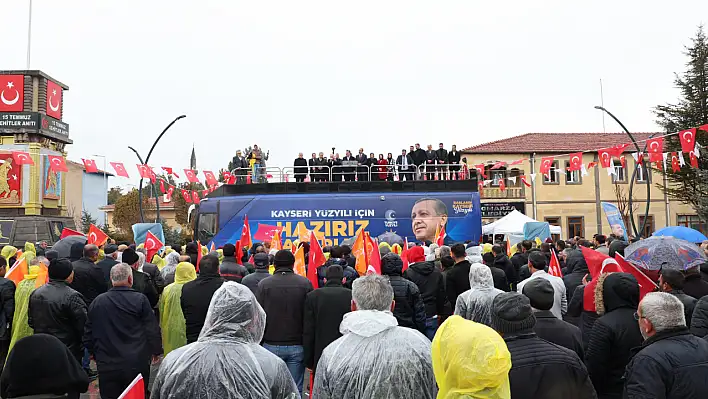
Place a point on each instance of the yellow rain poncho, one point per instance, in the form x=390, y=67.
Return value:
x=486, y=248
x=174, y=329
x=29, y=252
x=168, y=250
x=205, y=250
x=221, y=255
x=158, y=261
x=470, y=360
x=20, y=328
x=8, y=251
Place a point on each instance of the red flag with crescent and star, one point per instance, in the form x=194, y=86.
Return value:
x=246, y=241
x=526, y=183
x=688, y=139
x=195, y=197
x=169, y=171
x=554, y=268
x=66, y=232
x=266, y=232
x=145, y=171
x=546, y=163
x=576, y=161
x=675, y=165
x=227, y=177
x=120, y=169
x=191, y=176
x=57, y=163
x=655, y=149
x=12, y=93
x=693, y=159
x=152, y=245
x=162, y=187
x=605, y=156
x=187, y=196
x=480, y=169
x=210, y=178
x=136, y=389
x=316, y=259
x=96, y=236
x=617, y=150
x=54, y=94
x=90, y=165
x=22, y=158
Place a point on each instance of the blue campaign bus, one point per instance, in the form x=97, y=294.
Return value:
x=336, y=211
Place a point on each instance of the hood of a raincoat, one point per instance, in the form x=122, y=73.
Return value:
x=470, y=360
x=29, y=247
x=486, y=248
x=576, y=262
x=185, y=273
x=616, y=290
x=367, y=323
x=76, y=252
x=8, y=251
x=480, y=276
x=234, y=314
x=158, y=261
x=474, y=254
x=391, y=265
x=424, y=268
x=32, y=274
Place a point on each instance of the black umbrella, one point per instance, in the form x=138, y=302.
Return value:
x=63, y=246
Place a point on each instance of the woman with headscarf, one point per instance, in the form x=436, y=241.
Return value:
x=168, y=272
x=20, y=328
x=206, y=369
x=41, y=366
x=172, y=323
x=470, y=360
x=476, y=303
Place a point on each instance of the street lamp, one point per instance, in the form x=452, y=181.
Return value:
x=634, y=176
x=105, y=186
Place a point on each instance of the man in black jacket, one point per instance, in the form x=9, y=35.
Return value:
x=521, y=257
x=324, y=310
x=336, y=257
x=409, y=308
x=230, y=269
x=111, y=251
x=671, y=281
x=502, y=262
x=197, y=294
x=430, y=161
x=321, y=168
x=453, y=158
x=349, y=166
x=282, y=296
x=614, y=333
x=694, y=285
x=539, y=369
x=58, y=310
x=260, y=273
x=239, y=167
x=441, y=157
x=699, y=320
x=312, y=163
x=419, y=158
x=457, y=280
x=362, y=170
x=7, y=310
x=141, y=281
x=151, y=270
x=406, y=167
x=548, y=326
x=122, y=334
x=88, y=280
x=300, y=168
x=671, y=363
x=431, y=285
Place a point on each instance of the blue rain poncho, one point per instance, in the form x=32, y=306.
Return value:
x=227, y=361
x=476, y=303
x=375, y=358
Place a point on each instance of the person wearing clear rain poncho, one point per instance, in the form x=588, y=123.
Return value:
x=476, y=303
x=172, y=322
x=168, y=272
x=227, y=361
x=375, y=358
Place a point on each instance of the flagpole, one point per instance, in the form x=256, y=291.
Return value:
x=29, y=35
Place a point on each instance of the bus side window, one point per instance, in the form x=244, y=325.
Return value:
x=206, y=227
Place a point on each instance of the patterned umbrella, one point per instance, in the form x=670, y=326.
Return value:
x=656, y=253
x=391, y=238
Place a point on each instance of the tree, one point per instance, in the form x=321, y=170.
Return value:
x=127, y=210
x=113, y=195
x=86, y=221
x=689, y=185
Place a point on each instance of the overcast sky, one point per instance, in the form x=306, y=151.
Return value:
x=307, y=76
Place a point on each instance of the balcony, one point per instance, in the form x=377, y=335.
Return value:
x=515, y=188
x=509, y=193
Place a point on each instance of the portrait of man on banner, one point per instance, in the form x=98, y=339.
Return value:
x=10, y=181
x=51, y=186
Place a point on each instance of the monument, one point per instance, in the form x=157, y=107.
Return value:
x=32, y=200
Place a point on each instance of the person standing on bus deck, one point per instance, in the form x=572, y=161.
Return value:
x=441, y=156
x=300, y=168
x=362, y=170
x=349, y=168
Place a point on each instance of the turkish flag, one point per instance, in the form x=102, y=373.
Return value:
x=145, y=171
x=96, y=236
x=617, y=150
x=675, y=165
x=246, y=241
x=12, y=91
x=152, y=245
x=120, y=169
x=191, y=176
x=517, y=162
x=554, y=268
x=265, y=232
x=576, y=161
x=523, y=180
x=136, y=389
x=316, y=259
x=694, y=159
x=169, y=171
x=162, y=187
x=57, y=163
x=704, y=128
x=168, y=196
x=210, y=178
x=605, y=156
x=404, y=254
x=546, y=164
x=54, y=94
x=688, y=139
x=90, y=165
x=22, y=158
x=227, y=177
x=498, y=165
x=502, y=186
x=480, y=186
x=646, y=284
x=592, y=165
x=69, y=232
x=655, y=149
x=187, y=196
x=195, y=197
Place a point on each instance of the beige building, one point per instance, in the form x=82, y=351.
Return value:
x=167, y=213
x=569, y=199
x=85, y=192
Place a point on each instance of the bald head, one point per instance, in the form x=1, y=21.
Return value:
x=91, y=252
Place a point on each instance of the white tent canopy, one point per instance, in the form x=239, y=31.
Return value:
x=513, y=223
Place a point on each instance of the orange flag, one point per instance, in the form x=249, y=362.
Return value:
x=276, y=241
x=17, y=271
x=299, y=267
x=359, y=252
x=42, y=276
x=437, y=234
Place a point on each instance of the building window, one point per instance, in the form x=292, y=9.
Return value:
x=649, y=228
x=692, y=221
x=641, y=172
x=572, y=176
x=497, y=176
x=620, y=175
x=552, y=176
x=553, y=221
x=576, y=226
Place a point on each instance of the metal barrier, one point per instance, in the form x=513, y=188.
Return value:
x=445, y=171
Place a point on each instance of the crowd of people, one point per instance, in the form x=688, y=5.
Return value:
x=415, y=164
x=464, y=320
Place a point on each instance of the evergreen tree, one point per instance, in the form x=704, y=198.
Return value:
x=689, y=185
x=86, y=221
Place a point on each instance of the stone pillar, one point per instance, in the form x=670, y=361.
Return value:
x=33, y=206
